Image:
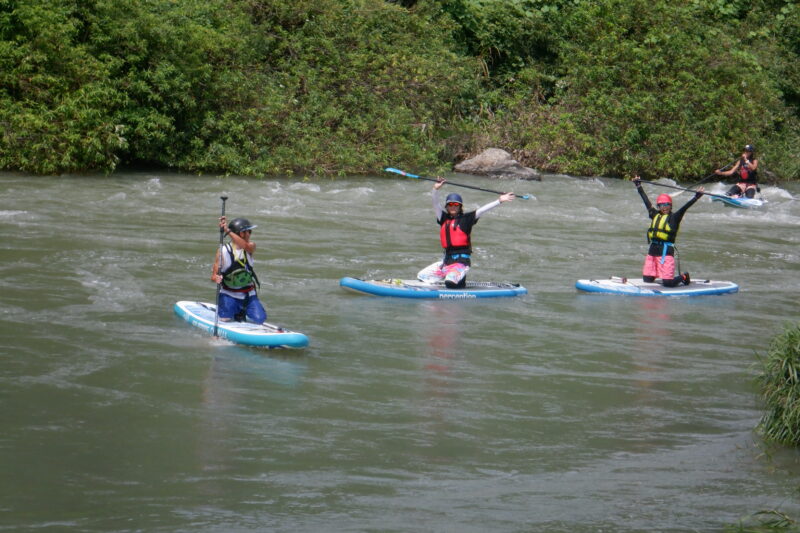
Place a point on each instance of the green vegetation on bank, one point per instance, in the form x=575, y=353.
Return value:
x=779, y=382
x=255, y=87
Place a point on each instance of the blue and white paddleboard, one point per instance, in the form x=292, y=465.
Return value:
x=201, y=315
x=637, y=287
x=412, y=288
x=742, y=202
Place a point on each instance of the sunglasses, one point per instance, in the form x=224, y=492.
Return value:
x=453, y=204
x=664, y=205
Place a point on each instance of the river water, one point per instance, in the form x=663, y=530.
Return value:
x=556, y=411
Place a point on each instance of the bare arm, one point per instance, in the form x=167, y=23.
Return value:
x=215, y=275
x=733, y=169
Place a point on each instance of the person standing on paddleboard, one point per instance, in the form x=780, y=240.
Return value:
x=233, y=271
x=660, y=260
x=746, y=169
x=454, y=233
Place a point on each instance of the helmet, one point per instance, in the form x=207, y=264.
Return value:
x=238, y=225
x=453, y=198
x=664, y=199
x=749, y=148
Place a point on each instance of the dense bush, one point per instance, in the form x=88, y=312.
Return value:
x=256, y=87
x=779, y=382
x=646, y=87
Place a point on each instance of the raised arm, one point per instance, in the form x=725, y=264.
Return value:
x=507, y=197
x=638, y=182
x=437, y=205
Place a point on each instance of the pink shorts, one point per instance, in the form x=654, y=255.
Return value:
x=437, y=272
x=653, y=267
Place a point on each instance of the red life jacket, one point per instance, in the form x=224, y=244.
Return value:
x=746, y=173
x=452, y=236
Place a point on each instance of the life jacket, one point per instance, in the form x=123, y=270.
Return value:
x=746, y=173
x=239, y=276
x=452, y=236
x=660, y=230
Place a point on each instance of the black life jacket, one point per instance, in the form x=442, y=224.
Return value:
x=239, y=276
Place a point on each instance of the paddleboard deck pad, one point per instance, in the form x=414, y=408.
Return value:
x=745, y=203
x=201, y=315
x=412, y=288
x=637, y=287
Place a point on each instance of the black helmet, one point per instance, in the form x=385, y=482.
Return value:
x=238, y=225
x=749, y=148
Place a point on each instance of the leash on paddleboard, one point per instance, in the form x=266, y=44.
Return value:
x=219, y=258
x=409, y=175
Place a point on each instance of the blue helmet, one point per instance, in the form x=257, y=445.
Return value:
x=453, y=198
x=749, y=148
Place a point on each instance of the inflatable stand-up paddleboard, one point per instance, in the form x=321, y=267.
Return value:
x=201, y=315
x=637, y=287
x=412, y=288
x=742, y=202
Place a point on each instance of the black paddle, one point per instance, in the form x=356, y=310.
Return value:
x=683, y=189
x=221, y=237
x=726, y=167
x=409, y=175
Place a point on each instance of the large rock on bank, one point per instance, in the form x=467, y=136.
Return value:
x=496, y=163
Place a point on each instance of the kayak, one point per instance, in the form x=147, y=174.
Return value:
x=412, y=288
x=637, y=287
x=742, y=202
x=201, y=315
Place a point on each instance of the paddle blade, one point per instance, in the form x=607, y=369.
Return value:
x=401, y=172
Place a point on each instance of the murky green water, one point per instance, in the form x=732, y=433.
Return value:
x=558, y=411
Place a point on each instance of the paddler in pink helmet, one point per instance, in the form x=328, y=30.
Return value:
x=661, y=235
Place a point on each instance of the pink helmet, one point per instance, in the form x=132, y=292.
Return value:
x=664, y=199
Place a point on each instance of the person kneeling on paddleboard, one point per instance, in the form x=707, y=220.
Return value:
x=233, y=271
x=454, y=233
x=661, y=235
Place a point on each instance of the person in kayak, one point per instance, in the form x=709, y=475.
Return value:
x=233, y=271
x=660, y=259
x=454, y=234
x=746, y=169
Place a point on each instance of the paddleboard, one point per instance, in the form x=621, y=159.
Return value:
x=742, y=202
x=412, y=288
x=637, y=287
x=201, y=315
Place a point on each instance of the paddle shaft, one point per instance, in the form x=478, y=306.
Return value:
x=219, y=258
x=726, y=167
x=409, y=175
x=683, y=189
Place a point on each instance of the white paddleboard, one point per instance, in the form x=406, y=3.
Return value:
x=742, y=202
x=201, y=315
x=412, y=288
x=637, y=287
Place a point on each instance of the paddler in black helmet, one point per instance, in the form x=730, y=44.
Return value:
x=455, y=228
x=233, y=270
x=746, y=169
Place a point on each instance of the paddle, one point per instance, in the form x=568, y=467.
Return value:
x=683, y=189
x=726, y=167
x=409, y=175
x=221, y=237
